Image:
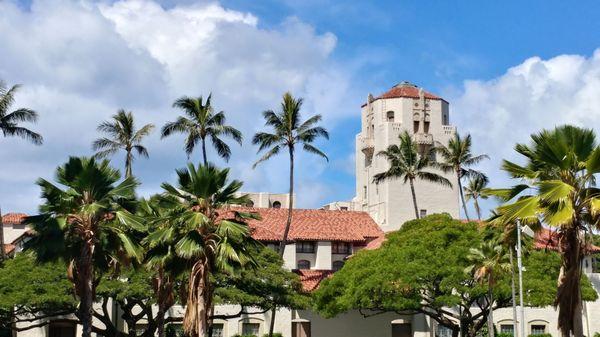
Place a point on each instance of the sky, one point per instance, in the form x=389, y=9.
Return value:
x=507, y=68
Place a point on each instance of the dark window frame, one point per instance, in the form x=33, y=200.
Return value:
x=306, y=247
x=340, y=247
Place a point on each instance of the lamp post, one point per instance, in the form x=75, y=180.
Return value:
x=520, y=267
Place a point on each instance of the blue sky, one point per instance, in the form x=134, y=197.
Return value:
x=533, y=64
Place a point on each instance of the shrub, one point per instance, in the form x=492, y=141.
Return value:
x=278, y=334
x=238, y=335
x=541, y=335
x=504, y=334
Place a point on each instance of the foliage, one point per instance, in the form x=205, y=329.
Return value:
x=9, y=120
x=557, y=185
x=504, y=334
x=541, y=335
x=199, y=123
x=476, y=189
x=420, y=269
x=122, y=135
x=275, y=334
x=407, y=164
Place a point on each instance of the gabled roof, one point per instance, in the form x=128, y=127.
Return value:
x=314, y=225
x=405, y=89
x=13, y=218
x=312, y=278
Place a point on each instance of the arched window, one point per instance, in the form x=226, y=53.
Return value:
x=303, y=264
x=276, y=204
x=337, y=265
x=250, y=203
x=390, y=116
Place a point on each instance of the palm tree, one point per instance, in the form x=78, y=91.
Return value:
x=206, y=234
x=85, y=221
x=457, y=158
x=161, y=214
x=9, y=121
x=122, y=135
x=202, y=122
x=488, y=262
x=476, y=189
x=557, y=186
x=406, y=164
x=288, y=131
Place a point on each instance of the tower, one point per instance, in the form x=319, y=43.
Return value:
x=426, y=117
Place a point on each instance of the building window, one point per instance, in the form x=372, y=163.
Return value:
x=443, y=331
x=61, y=330
x=538, y=329
x=365, y=192
x=390, y=116
x=445, y=119
x=305, y=247
x=250, y=203
x=250, y=329
x=507, y=329
x=276, y=204
x=343, y=208
x=422, y=213
x=303, y=264
x=217, y=330
x=341, y=248
x=337, y=265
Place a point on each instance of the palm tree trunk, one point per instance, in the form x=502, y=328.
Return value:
x=491, y=304
x=85, y=271
x=462, y=195
x=477, y=209
x=513, y=292
x=196, y=311
x=414, y=197
x=568, y=298
x=286, y=231
x=2, y=255
x=204, y=151
x=128, y=161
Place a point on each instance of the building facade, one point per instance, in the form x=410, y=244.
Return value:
x=426, y=117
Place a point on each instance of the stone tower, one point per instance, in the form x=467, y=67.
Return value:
x=426, y=117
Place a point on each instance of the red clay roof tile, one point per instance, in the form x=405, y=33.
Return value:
x=312, y=278
x=13, y=218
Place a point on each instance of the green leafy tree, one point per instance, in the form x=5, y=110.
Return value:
x=85, y=221
x=420, y=269
x=458, y=158
x=9, y=126
x=207, y=236
x=476, y=189
x=556, y=185
x=200, y=121
x=488, y=262
x=288, y=131
x=122, y=135
x=406, y=164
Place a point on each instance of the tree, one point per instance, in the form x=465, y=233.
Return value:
x=476, y=189
x=556, y=185
x=210, y=237
x=201, y=122
x=9, y=125
x=86, y=222
x=458, y=158
x=288, y=132
x=419, y=269
x=406, y=164
x=122, y=135
x=488, y=262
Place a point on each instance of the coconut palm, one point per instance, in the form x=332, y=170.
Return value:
x=557, y=186
x=406, y=164
x=488, y=262
x=84, y=220
x=458, y=158
x=199, y=123
x=162, y=214
x=476, y=189
x=122, y=135
x=289, y=132
x=9, y=121
x=206, y=234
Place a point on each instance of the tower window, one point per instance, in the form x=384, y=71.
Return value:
x=390, y=116
x=364, y=192
x=276, y=204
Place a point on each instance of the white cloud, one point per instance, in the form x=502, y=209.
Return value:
x=531, y=96
x=80, y=61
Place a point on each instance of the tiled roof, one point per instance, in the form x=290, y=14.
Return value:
x=8, y=248
x=314, y=224
x=13, y=218
x=405, y=89
x=548, y=239
x=375, y=243
x=311, y=278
